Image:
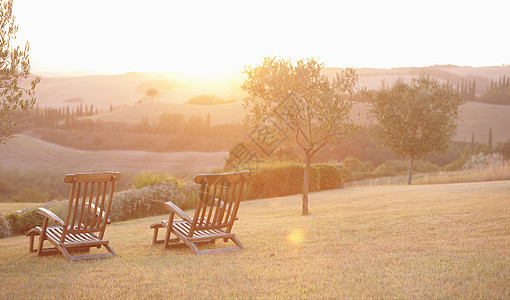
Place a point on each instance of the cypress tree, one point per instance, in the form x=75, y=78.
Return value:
x=490, y=139
x=473, y=141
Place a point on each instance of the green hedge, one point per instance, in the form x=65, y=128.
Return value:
x=146, y=201
x=20, y=223
x=131, y=204
x=286, y=178
x=154, y=189
x=4, y=227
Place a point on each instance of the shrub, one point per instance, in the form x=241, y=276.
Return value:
x=504, y=149
x=484, y=161
x=4, y=227
x=20, y=223
x=286, y=178
x=330, y=176
x=149, y=179
x=384, y=170
x=352, y=163
x=399, y=167
x=146, y=201
x=130, y=204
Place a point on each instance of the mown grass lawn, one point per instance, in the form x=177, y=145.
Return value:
x=427, y=241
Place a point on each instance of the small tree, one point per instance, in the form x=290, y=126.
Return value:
x=152, y=93
x=301, y=103
x=415, y=119
x=14, y=70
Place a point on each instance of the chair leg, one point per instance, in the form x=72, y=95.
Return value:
x=193, y=247
x=110, y=249
x=167, y=236
x=155, y=236
x=31, y=245
x=65, y=252
x=41, y=242
x=237, y=242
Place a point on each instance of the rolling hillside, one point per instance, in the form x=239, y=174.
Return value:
x=28, y=153
x=126, y=89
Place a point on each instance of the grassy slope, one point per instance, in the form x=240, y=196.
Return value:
x=28, y=153
x=429, y=241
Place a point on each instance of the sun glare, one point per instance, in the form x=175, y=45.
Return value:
x=207, y=36
x=296, y=236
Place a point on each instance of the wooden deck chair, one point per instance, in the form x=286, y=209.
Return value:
x=215, y=213
x=85, y=223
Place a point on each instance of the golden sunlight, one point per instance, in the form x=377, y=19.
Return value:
x=296, y=236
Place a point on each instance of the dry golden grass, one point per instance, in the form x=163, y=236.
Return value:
x=427, y=241
x=489, y=174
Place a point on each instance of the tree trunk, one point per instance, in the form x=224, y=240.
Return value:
x=305, y=185
x=410, y=173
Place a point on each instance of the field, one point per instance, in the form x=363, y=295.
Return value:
x=427, y=241
x=28, y=153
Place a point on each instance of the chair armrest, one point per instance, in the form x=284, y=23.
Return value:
x=175, y=209
x=48, y=214
x=98, y=211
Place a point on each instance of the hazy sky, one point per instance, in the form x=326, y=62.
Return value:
x=106, y=36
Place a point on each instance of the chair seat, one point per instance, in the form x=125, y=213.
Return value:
x=78, y=239
x=183, y=227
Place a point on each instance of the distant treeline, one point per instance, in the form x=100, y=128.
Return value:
x=497, y=93
x=170, y=132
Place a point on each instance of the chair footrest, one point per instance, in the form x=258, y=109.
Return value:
x=91, y=256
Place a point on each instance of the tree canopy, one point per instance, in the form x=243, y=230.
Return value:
x=415, y=119
x=295, y=101
x=15, y=96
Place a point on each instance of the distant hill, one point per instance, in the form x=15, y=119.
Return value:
x=372, y=78
x=126, y=89
x=104, y=91
x=25, y=152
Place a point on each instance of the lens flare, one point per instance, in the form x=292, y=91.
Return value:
x=296, y=236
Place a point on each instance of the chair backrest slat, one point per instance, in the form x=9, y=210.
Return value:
x=89, y=202
x=218, y=200
x=75, y=198
x=88, y=211
x=82, y=205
